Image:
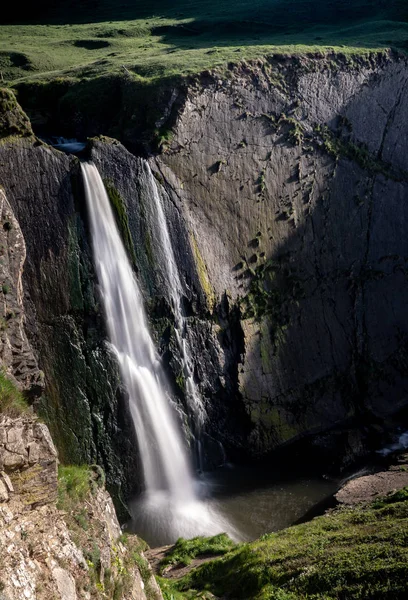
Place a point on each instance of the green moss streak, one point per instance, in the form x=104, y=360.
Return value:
x=358, y=153
x=122, y=220
x=202, y=273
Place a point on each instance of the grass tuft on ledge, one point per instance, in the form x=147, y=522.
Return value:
x=12, y=403
x=184, y=551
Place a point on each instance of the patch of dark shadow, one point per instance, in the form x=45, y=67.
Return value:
x=221, y=29
x=216, y=167
x=130, y=32
x=283, y=216
x=92, y=44
x=254, y=243
x=403, y=44
x=238, y=266
x=148, y=70
x=178, y=30
x=253, y=259
x=16, y=59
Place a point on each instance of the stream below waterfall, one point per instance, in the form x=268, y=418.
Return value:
x=251, y=501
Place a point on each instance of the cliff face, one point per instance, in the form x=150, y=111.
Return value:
x=59, y=537
x=283, y=184
x=292, y=176
x=67, y=554
x=16, y=354
x=83, y=401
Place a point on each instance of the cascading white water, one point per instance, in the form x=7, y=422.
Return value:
x=175, y=290
x=170, y=504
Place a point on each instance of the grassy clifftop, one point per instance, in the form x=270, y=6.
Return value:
x=164, y=38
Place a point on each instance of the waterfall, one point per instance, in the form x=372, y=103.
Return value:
x=164, y=250
x=170, y=504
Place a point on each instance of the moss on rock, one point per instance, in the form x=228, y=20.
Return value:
x=119, y=209
x=13, y=120
x=202, y=273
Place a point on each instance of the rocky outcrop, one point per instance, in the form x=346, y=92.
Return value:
x=49, y=553
x=13, y=120
x=16, y=354
x=28, y=464
x=367, y=488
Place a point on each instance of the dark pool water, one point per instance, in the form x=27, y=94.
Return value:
x=248, y=501
x=256, y=503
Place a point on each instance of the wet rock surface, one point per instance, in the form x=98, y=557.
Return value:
x=83, y=401
x=370, y=487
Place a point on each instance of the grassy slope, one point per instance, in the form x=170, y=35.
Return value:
x=351, y=553
x=187, y=36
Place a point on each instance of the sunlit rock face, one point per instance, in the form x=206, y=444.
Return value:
x=42, y=555
x=16, y=354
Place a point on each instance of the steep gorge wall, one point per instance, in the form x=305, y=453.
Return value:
x=292, y=176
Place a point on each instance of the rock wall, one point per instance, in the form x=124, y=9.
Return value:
x=45, y=553
x=283, y=187
x=52, y=296
x=16, y=354
x=292, y=178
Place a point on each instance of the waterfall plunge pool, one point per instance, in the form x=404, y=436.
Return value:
x=247, y=500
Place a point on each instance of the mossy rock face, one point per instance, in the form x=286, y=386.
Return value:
x=13, y=120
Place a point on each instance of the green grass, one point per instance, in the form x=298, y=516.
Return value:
x=184, y=551
x=74, y=485
x=350, y=553
x=163, y=38
x=12, y=403
x=13, y=121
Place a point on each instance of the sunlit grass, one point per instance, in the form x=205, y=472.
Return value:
x=187, y=38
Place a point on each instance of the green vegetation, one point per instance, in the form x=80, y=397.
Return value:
x=74, y=485
x=12, y=402
x=273, y=289
x=184, y=551
x=124, y=583
x=349, y=553
x=13, y=121
x=122, y=221
x=338, y=147
x=164, y=38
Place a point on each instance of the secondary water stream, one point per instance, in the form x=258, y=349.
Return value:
x=171, y=503
x=163, y=249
